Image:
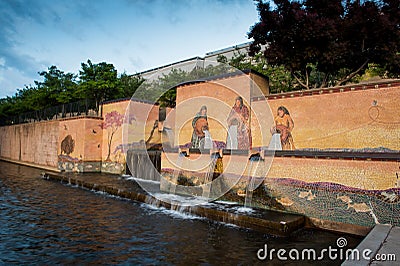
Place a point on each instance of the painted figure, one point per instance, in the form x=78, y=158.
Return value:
x=239, y=136
x=199, y=124
x=284, y=126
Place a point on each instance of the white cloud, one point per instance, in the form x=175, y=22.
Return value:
x=132, y=35
x=12, y=79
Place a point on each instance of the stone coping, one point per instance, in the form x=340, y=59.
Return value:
x=321, y=91
x=383, y=239
x=317, y=154
x=39, y=166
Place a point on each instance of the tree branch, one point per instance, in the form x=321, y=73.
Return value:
x=324, y=83
x=351, y=75
x=299, y=81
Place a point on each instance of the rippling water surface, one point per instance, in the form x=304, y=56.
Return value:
x=45, y=222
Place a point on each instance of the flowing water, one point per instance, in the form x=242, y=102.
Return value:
x=45, y=223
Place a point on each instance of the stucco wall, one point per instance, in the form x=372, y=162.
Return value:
x=368, y=118
x=35, y=143
x=40, y=144
x=87, y=136
x=219, y=97
x=137, y=122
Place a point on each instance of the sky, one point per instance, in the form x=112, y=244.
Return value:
x=133, y=35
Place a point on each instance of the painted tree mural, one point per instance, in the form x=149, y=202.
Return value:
x=112, y=122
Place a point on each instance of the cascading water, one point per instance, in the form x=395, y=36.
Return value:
x=210, y=174
x=255, y=161
x=142, y=164
x=169, y=134
x=177, y=170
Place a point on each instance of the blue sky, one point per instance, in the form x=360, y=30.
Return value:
x=133, y=35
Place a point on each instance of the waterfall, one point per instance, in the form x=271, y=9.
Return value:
x=210, y=174
x=255, y=160
x=170, y=136
x=177, y=170
x=143, y=164
x=249, y=187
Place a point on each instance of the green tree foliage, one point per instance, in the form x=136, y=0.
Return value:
x=98, y=82
x=129, y=84
x=163, y=88
x=57, y=87
x=280, y=80
x=328, y=42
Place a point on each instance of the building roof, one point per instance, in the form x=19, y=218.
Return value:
x=221, y=76
x=209, y=54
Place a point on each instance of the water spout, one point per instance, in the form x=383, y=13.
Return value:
x=170, y=138
x=254, y=160
x=210, y=174
x=177, y=171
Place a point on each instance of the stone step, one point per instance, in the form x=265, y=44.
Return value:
x=266, y=221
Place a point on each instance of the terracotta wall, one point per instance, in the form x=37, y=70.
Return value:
x=138, y=119
x=40, y=143
x=87, y=137
x=83, y=144
x=138, y=129
x=219, y=97
x=31, y=143
x=358, y=119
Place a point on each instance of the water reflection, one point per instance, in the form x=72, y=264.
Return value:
x=45, y=222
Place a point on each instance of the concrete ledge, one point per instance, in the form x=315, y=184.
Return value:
x=373, y=242
x=44, y=167
x=390, y=249
x=337, y=226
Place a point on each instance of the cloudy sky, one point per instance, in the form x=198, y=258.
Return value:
x=134, y=35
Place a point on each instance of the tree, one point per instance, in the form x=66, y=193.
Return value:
x=280, y=79
x=57, y=87
x=168, y=83
x=129, y=84
x=327, y=42
x=98, y=82
x=163, y=88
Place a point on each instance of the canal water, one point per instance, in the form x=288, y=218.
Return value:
x=44, y=223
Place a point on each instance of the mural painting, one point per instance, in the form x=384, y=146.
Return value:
x=138, y=118
x=79, y=145
x=239, y=136
x=200, y=125
x=282, y=129
x=353, y=190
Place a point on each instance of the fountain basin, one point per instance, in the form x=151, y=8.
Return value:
x=266, y=221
